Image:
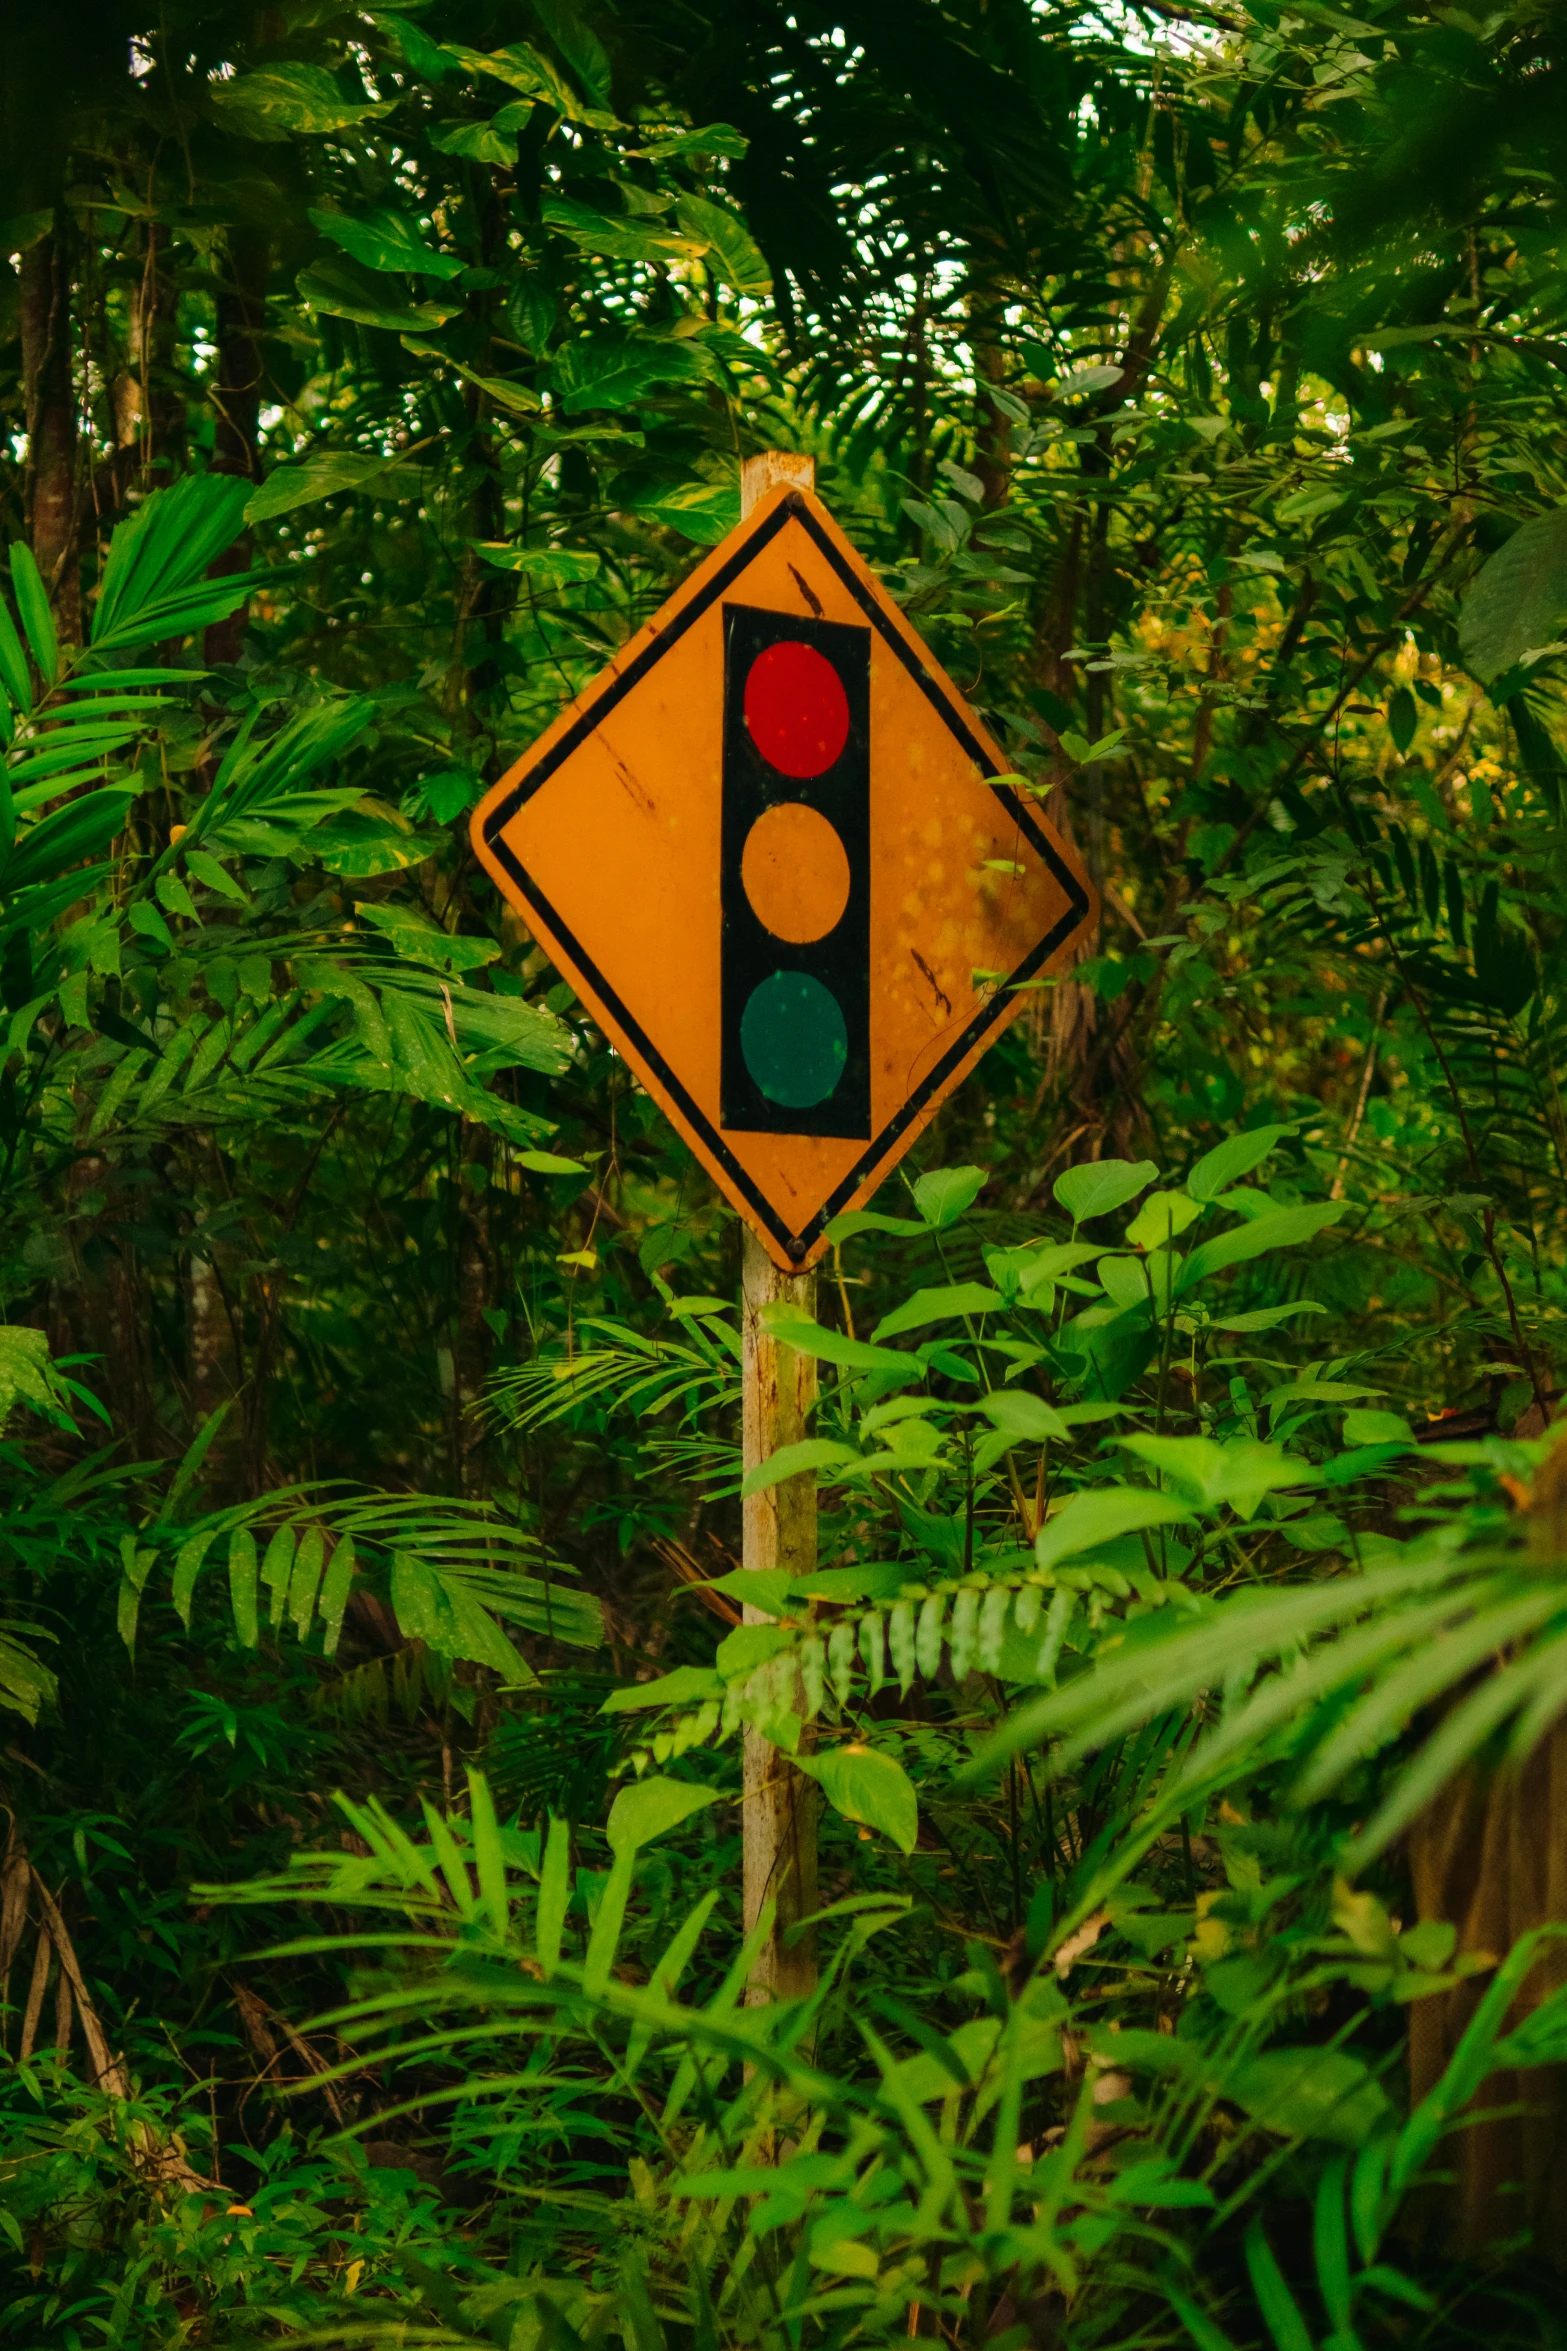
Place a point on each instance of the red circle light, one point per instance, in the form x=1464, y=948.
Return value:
x=796, y=708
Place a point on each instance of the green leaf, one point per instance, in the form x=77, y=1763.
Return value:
x=494, y=141
x=64, y=839
x=32, y=603
x=335, y=1588
x=187, y=1567
x=651, y=1808
x=688, y=1685
x=1376, y=1428
x=343, y=291
x=552, y=567
x=14, y=672
x=1161, y=1218
x=323, y=474
x=942, y=1196
x=290, y=100
x=309, y=1560
x=627, y=238
x=732, y=252
x=705, y=513
x=825, y=1346
x=1519, y=600
x=158, y=558
x=1102, y=1186
x=277, y=1571
x=1287, y=1228
x=242, y=1586
x=1274, y=2299
x=617, y=372
x=1023, y=1418
x=791, y=1461
x=554, y=1895
x=1311, y=2094
x=1093, y=1518
x=944, y=1305
x=385, y=239
x=1230, y=1160
x=868, y=1787
x=1238, y=1473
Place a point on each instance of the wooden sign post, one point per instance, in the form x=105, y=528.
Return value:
x=797, y=887
x=778, y=1817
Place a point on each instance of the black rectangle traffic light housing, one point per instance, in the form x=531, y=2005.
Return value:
x=795, y=1012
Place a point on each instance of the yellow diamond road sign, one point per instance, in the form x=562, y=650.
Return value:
x=766, y=849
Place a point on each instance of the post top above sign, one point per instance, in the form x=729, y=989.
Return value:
x=768, y=848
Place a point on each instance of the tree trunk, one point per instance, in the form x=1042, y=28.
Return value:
x=237, y=398
x=1491, y=1856
x=51, y=488
x=779, y=1825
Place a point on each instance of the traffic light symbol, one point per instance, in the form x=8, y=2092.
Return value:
x=794, y=885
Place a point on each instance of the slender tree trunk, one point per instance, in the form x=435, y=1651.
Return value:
x=161, y=396
x=236, y=395
x=52, y=490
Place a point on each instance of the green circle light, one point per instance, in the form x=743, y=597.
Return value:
x=793, y=1037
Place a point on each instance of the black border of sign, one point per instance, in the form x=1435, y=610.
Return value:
x=790, y=509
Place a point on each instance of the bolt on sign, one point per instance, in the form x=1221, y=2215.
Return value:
x=769, y=849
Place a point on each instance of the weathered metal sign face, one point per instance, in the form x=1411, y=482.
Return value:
x=765, y=849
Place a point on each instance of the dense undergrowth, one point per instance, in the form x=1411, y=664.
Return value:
x=1182, y=1674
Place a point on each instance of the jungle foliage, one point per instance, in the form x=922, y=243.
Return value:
x=1183, y=1673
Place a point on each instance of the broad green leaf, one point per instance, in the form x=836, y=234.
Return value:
x=413, y=933
x=942, y=1196
x=1230, y=1160
x=944, y=1305
x=1286, y=1228
x=1376, y=1428
x=552, y=567
x=384, y=239
x=323, y=474
x=494, y=141
x=1519, y=599
x=1102, y=1186
x=869, y=1787
x=651, y=1808
x=629, y=237
x=1162, y=1217
x=25, y=1370
x=290, y=100
x=731, y=250
x=1311, y=2094
x=1023, y=1418
x=617, y=372
x=688, y=1685
x=1099, y=1516
x=344, y=291
x=812, y=1338
x=705, y=513
x=871, y=1220
x=792, y=1461
x=1266, y=1318
x=1238, y=1473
